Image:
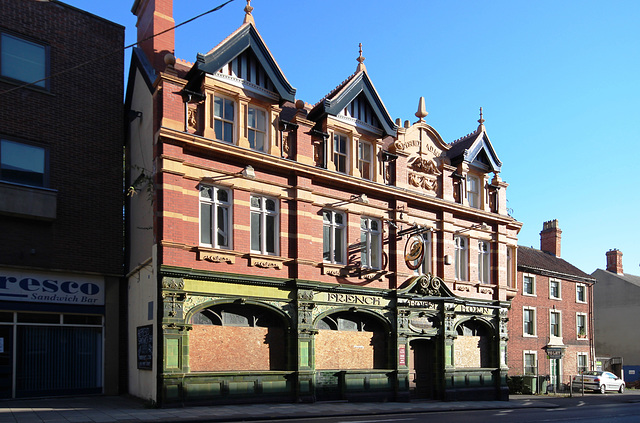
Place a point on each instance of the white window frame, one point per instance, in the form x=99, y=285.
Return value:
x=425, y=268
x=337, y=154
x=559, y=314
x=337, y=236
x=255, y=130
x=214, y=224
x=534, y=323
x=364, y=146
x=461, y=259
x=586, y=329
x=584, y=292
x=533, y=285
x=474, y=195
x=223, y=119
x=559, y=296
x=371, y=242
x=526, y=353
x=263, y=215
x=484, y=262
x=26, y=75
x=585, y=368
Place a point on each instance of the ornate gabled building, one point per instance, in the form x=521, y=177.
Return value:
x=281, y=251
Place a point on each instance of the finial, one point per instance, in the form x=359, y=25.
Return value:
x=248, y=17
x=360, y=59
x=481, y=121
x=422, y=110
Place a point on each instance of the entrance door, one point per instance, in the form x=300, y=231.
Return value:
x=554, y=366
x=6, y=360
x=422, y=378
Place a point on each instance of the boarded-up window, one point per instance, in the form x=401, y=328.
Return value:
x=472, y=346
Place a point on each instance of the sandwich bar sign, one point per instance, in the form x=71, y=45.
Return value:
x=40, y=287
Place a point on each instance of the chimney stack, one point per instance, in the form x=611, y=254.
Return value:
x=155, y=16
x=550, y=237
x=614, y=261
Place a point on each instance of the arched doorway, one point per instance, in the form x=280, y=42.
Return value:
x=237, y=337
x=423, y=368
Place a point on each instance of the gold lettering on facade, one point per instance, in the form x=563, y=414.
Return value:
x=475, y=309
x=423, y=304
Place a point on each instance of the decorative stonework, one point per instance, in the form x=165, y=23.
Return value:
x=422, y=181
x=172, y=283
x=428, y=285
x=191, y=117
x=266, y=262
x=216, y=256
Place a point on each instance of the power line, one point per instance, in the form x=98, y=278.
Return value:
x=215, y=9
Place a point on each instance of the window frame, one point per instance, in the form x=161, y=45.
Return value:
x=263, y=214
x=484, y=262
x=333, y=227
x=584, y=293
x=511, y=273
x=474, y=194
x=365, y=146
x=45, y=80
x=581, y=369
x=533, y=354
x=586, y=332
x=224, y=120
x=534, y=325
x=559, y=285
x=216, y=204
x=558, y=324
x=461, y=258
x=367, y=242
x=255, y=130
x=533, y=285
x=337, y=154
x=45, y=165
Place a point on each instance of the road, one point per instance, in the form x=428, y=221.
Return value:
x=614, y=408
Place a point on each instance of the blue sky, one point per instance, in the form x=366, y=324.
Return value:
x=558, y=82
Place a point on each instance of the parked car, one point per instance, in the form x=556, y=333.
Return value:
x=599, y=381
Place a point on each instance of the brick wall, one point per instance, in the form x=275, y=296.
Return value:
x=80, y=122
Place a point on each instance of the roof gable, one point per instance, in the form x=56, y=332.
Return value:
x=476, y=150
x=356, y=87
x=246, y=37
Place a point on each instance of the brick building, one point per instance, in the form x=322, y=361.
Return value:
x=282, y=251
x=60, y=200
x=615, y=302
x=551, y=318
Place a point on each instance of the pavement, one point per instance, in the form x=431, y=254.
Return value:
x=124, y=409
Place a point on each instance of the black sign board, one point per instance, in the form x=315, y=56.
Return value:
x=555, y=352
x=145, y=347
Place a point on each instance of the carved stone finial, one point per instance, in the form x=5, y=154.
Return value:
x=422, y=110
x=248, y=17
x=360, y=59
x=481, y=122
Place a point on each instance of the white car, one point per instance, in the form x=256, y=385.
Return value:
x=599, y=381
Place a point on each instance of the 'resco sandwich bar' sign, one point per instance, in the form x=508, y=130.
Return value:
x=40, y=287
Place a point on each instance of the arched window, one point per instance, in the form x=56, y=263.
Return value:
x=237, y=337
x=473, y=347
x=350, y=340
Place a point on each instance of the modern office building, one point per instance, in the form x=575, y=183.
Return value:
x=61, y=230
x=551, y=335
x=286, y=251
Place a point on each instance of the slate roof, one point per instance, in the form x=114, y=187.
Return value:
x=546, y=264
x=601, y=274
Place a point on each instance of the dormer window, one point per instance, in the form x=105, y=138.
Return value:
x=257, y=128
x=340, y=142
x=223, y=119
x=473, y=191
x=364, y=159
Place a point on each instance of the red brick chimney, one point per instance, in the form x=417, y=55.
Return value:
x=155, y=16
x=550, y=237
x=614, y=261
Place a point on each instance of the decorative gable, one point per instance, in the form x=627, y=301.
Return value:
x=356, y=100
x=476, y=150
x=426, y=286
x=244, y=59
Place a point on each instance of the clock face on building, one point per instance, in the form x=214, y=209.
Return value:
x=414, y=252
